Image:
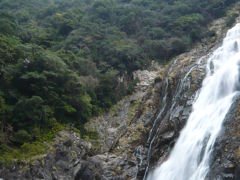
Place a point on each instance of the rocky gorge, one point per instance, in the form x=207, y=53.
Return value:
x=139, y=132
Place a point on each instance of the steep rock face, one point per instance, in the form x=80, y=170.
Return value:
x=225, y=160
x=225, y=164
x=65, y=158
x=146, y=137
x=183, y=79
x=123, y=131
x=144, y=127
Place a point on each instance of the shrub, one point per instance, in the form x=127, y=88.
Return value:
x=21, y=136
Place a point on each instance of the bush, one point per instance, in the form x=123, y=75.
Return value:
x=21, y=136
x=231, y=20
x=211, y=33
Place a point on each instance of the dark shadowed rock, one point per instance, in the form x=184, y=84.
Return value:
x=226, y=156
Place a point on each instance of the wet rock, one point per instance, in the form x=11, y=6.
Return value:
x=61, y=154
x=237, y=172
x=83, y=172
x=187, y=111
x=147, y=118
x=176, y=113
x=225, y=161
x=168, y=135
x=68, y=143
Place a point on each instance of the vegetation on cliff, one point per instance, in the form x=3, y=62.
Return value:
x=60, y=60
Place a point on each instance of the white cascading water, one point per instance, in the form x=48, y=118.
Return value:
x=189, y=159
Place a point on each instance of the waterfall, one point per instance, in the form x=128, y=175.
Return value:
x=189, y=159
x=156, y=121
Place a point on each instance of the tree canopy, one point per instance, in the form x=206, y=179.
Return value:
x=60, y=59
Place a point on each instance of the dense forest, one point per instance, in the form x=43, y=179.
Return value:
x=60, y=60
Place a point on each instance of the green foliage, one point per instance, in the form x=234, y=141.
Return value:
x=8, y=25
x=9, y=155
x=8, y=49
x=30, y=113
x=231, y=19
x=61, y=60
x=29, y=148
x=21, y=136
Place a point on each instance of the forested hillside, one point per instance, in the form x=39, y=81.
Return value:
x=60, y=60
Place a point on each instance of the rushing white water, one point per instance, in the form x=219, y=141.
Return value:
x=189, y=159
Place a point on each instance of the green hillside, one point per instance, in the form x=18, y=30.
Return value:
x=60, y=59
